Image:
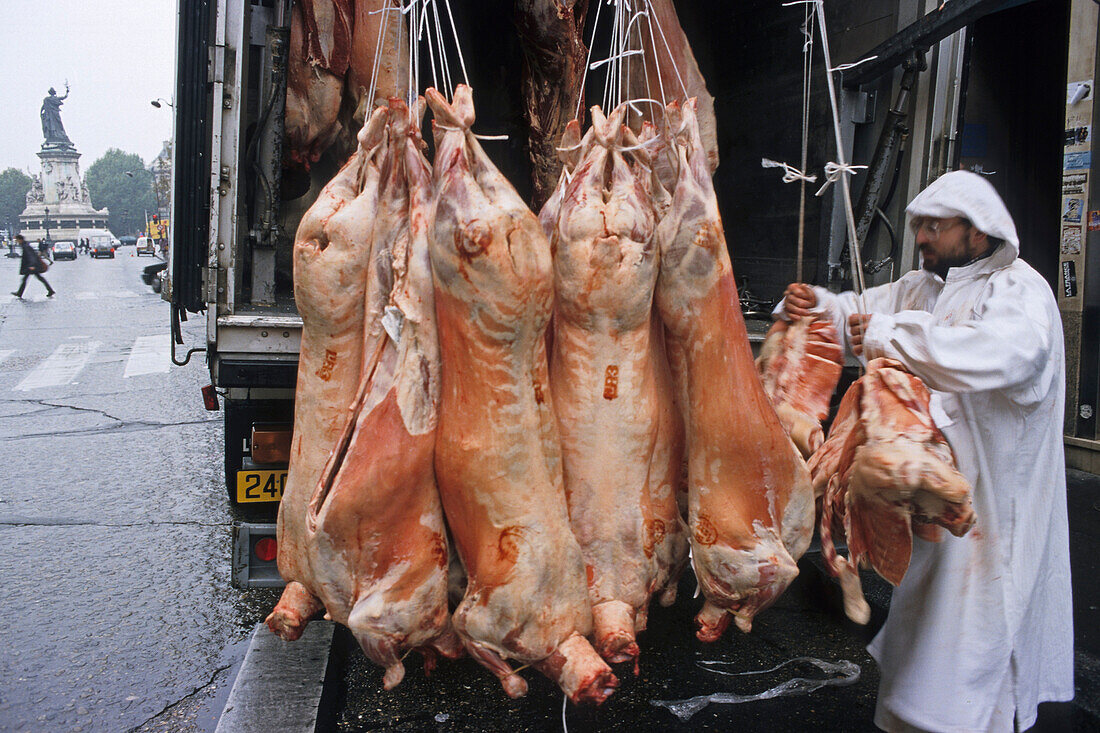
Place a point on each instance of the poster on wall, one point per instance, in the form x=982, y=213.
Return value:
x=1073, y=184
x=1077, y=161
x=1071, y=240
x=1069, y=279
x=1071, y=210
x=1094, y=221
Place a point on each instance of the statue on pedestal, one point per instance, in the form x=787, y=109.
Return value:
x=52, y=129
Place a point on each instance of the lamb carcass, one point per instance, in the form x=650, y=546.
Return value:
x=750, y=501
x=331, y=258
x=318, y=59
x=620, y=474
x=800, y=364
x=374, y=56
x=378, y=544
x=496, y=463
x=888, y=472
x=670, y=73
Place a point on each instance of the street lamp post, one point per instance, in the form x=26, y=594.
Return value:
x=161, y=100
x=46, y=225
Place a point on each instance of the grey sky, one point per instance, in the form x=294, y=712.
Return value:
x=116, y=54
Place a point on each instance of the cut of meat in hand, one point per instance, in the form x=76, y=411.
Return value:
x=379, y=547
x=800, y=364
x=526, y=596
x=331, y=259
x=887, y=471
x=750, y=501
x=619, y=481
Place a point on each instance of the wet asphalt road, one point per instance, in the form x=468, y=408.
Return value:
x=114, y=527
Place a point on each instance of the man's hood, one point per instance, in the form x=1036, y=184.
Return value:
x=966, y=194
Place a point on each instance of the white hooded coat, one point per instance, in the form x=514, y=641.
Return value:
x=981, y=626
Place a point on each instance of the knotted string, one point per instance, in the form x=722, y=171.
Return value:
x=833, y=171
x=790, y=173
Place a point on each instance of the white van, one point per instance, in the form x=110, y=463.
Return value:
x=146, y=246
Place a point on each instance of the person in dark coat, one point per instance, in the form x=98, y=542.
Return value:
x=31, y=264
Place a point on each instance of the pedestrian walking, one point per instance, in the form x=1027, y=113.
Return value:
x=31, y=264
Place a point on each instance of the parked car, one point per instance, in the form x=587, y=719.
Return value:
x=146, y=246
x=153, y=276
x=64, y=251
x=103, y=248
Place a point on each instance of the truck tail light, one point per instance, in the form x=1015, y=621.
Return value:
x=271, y=443
x=266, y=549
x=209, y=398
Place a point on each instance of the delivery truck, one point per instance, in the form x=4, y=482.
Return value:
x=932, y=91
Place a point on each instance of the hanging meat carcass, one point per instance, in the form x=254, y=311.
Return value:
x=378, y=545
x=621, y=471
x=800, y=364
x=553, y=80
x=319, y=54
x=668, y=72
x=332, y=251
x=379, y=54
x=887, y=473
x=496, y=459
x=750, y=501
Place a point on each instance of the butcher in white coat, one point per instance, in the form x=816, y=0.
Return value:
x=980, y=631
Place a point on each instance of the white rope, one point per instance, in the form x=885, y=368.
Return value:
x=653, y=45
x=668, y=48
x=591, y=43
x=444, y=63
x=854, y=64
x=833, y=172
x=841, y=166
x=807, y=80
x=616, y=57
x=432, y=61
x=448, y=128
x=458, y=46
x=790, y=173
x=382, y=27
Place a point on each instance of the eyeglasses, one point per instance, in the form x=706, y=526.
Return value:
x=935, y=227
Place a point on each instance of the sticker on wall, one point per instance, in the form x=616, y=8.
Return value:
x=1069, y=279
x=1077, y=135
x=1077, y=161
x=1073, y=184
x=1094, y=221
x=1071, y=240
x=1071, y=210
x=1078, y=91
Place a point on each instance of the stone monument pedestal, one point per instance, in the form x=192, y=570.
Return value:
x=61, y=189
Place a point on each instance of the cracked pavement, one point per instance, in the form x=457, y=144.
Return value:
x=114, y=522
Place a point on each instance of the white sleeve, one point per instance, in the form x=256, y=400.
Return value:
x=838, y=306
x=1003, y=346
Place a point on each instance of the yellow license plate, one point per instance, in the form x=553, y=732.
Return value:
x=260, y=485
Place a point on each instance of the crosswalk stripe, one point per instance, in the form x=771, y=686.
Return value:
x=60, y=367
x=5, y=353
x=90, y=295
x=148, y=355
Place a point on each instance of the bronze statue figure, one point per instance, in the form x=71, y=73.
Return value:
x=52, y=129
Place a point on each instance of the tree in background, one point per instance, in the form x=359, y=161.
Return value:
x=14, y=185
x=120, y=182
